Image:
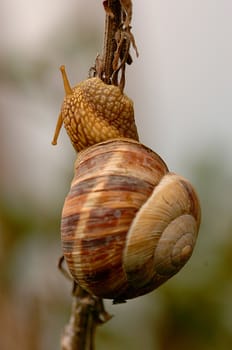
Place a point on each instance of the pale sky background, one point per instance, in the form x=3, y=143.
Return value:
x=180, y=84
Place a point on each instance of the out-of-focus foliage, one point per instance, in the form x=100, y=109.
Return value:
x=193, y=310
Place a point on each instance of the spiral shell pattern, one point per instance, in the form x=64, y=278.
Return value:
x=128, y=224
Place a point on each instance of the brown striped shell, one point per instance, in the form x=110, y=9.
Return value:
x=128, y=224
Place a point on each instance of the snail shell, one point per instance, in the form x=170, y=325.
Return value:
x=128, y=224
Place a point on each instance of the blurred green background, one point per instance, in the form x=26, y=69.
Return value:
x=181, y=87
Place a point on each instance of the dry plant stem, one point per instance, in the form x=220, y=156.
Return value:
x=112, y=23
x=87, y=313
x=118, y=38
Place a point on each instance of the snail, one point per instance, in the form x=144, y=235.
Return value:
x=128, y=224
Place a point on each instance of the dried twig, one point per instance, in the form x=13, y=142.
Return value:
x=87, y=313
x=117, y=41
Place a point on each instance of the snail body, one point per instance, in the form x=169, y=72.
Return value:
x=93, y=112
x=128, y=224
